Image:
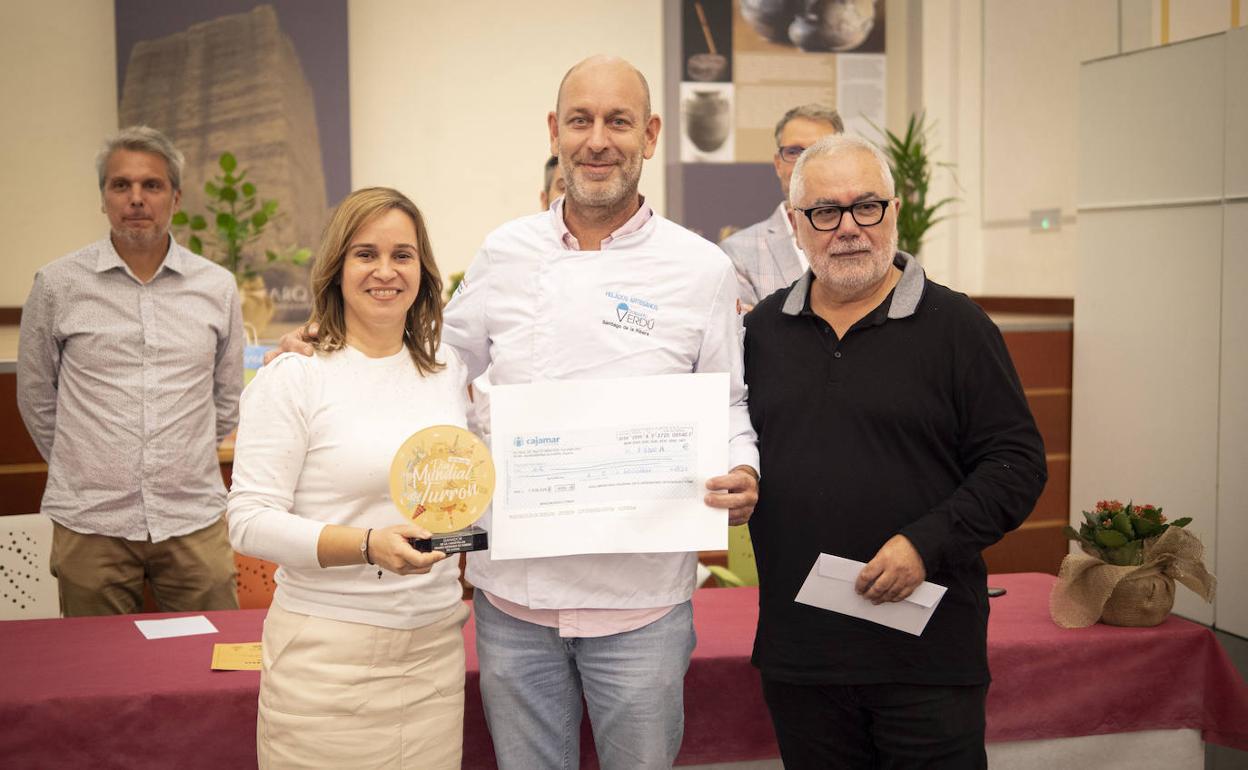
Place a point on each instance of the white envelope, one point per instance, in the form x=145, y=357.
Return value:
x=830, y=586
x=169, y=627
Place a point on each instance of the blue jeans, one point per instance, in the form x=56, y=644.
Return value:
x=532, y=681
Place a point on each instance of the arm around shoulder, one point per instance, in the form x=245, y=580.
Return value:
x=464, y=319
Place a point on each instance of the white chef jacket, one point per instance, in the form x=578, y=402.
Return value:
x=659, y=300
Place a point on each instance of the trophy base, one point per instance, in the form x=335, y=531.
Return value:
x=470, y=539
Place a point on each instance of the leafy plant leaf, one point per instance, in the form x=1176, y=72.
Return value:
x=1147, y=528
x=1126, y=554
x=180, y=219
x=908, y=156
x=1110, y=538
x=240, y=218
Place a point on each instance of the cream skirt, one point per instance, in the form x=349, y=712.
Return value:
x=346, y=695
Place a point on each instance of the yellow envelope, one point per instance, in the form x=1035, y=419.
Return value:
x=236, y=657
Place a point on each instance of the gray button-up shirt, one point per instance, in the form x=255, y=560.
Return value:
x=128, y=388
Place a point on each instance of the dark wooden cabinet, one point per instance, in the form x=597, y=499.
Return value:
x=1042, y=355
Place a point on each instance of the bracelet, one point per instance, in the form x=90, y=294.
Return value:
x=364, y=546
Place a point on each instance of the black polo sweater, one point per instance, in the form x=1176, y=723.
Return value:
x=914, y=423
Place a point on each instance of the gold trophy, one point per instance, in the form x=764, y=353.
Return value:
x=442, y=478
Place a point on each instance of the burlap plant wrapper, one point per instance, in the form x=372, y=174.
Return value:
x=1089, y=590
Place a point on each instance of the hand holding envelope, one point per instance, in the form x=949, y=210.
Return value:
x=830, y=586
x=893, y=573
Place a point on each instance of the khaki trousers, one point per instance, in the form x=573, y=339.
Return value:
x=336, y=694
x=102, y=575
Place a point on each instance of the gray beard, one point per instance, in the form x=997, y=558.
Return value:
x=141, y=239
x=850, y=281
x=608, y=199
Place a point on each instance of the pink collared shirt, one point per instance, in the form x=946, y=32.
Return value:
x=582, y=622
x=587, y=622
x=569, y=241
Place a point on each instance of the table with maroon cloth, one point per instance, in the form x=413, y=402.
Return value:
x=93, y=692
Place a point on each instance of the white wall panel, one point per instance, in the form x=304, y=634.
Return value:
x=1030, y=117
x=1151, y=125
x=1145, y=414
x=1237, y=112
x=1018, y=262
x=1194, y=18
x=1232, y=537
x=1096, y=28
x=1140, y=21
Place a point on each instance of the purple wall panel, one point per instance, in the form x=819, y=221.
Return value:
x=716, y=195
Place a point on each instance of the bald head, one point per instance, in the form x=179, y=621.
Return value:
x=600, y=65
x=601, y=130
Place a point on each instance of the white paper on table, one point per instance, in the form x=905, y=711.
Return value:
x=163, y=629
x=830, y=586
x=608, y=466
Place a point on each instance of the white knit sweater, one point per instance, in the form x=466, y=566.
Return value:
x=316, y=438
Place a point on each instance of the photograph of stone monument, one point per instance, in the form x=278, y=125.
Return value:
x=235, y=83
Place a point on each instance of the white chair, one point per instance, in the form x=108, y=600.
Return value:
x=27, y=588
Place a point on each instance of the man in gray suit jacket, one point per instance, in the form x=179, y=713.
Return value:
x=765, y=255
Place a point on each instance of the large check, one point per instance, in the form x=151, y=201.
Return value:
x=608, y=466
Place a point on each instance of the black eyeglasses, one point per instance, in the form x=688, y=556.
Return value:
x=828, y=218
x=791, y=152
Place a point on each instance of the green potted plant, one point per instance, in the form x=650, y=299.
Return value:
x=1116, y=533
x=236, y=220
x=1132, y=557
x=908, y=155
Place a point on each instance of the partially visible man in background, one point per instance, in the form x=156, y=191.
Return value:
x=764, y=254
x=553, y=185
x=130, y=364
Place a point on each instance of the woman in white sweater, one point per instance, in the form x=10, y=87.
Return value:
x=363, y=653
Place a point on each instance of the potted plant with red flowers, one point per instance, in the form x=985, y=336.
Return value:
x=1125, y=576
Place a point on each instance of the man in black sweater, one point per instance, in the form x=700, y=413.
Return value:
x=892, y=430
